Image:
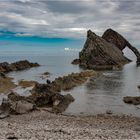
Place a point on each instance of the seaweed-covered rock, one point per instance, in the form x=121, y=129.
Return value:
x=100, y=54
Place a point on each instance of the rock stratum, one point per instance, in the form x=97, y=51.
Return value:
x=45, y=95
x=105, y=52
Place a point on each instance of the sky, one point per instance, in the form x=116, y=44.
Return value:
x=70, y=19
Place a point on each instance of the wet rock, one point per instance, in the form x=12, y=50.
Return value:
x=47, y=95
x=16, y=104
x=75, y=61
x=132, y=100
x=42, y=94
x=72, y=80
x=120, y=42
x=60, y=105
x=17, y=66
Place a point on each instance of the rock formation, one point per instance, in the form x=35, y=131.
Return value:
x=17, y=66
x=132, y=100
x=45, y=95
x=120, y=42
x=99, y=54
x=104, y=52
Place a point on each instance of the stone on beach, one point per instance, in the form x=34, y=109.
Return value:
x=132, y=100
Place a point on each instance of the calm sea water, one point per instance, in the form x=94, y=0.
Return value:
x=90, y=98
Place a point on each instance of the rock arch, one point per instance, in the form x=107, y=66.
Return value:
x=119, y=41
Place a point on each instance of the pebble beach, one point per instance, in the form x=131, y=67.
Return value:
x=43, y=125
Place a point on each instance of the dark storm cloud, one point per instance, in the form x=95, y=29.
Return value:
x=70, y=18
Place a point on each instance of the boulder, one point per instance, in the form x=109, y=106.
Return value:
x=61, y=104
x=21, y=107
x=132, y=100
x=99, y=54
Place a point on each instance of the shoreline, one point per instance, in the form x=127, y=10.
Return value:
x=42, y=124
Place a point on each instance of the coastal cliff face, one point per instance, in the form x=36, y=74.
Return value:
x=100, y=54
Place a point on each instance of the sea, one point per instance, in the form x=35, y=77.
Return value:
x=91, y=98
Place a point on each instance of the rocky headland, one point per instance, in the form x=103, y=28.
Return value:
x=105, y=53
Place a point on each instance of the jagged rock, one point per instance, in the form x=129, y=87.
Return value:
x=75, y=61
x=46, y=95
x=100, y=54
x=72, y=80
x=61, y=104
x=132, y=100
x=16, y=104
x=17, y=66
x=42, y=94
x=120, y=42
x=13, y=96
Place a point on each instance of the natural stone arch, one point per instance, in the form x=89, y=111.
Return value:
x=118, y=40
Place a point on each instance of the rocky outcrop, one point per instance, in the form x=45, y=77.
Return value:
x=46, y=95
x=132, y=100
x=120, y=42
x=17, y=66
x=99, y=54
x=105, y=52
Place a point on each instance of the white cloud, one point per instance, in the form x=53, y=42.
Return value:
x=70, y=19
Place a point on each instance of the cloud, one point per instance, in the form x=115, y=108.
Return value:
x=70, y=18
